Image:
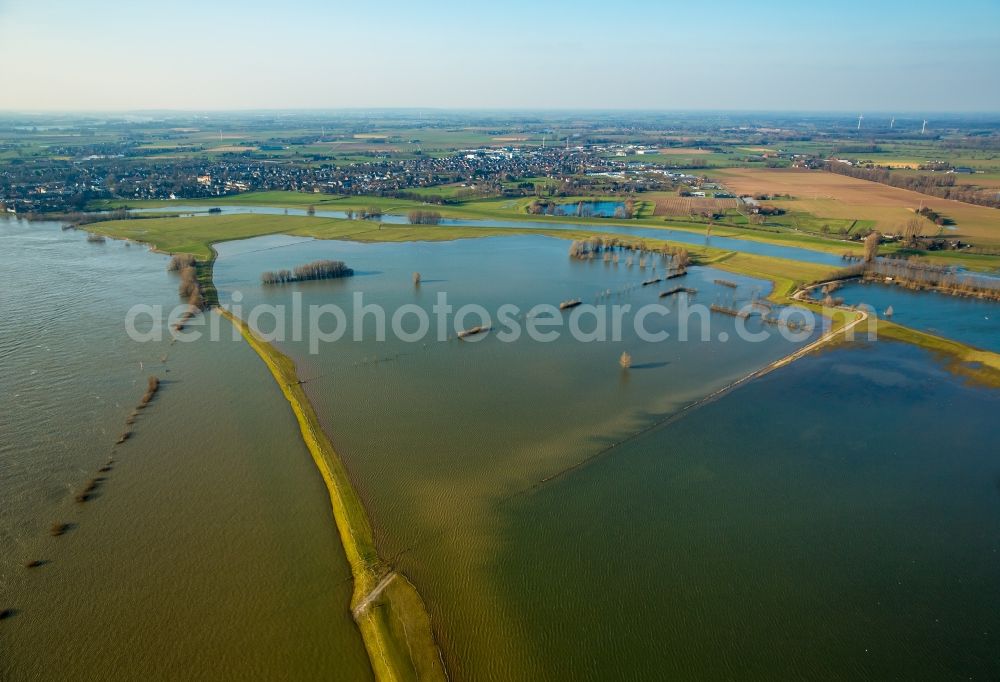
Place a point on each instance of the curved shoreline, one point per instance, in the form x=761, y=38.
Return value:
x=388, y=610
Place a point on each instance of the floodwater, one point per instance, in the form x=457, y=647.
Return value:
x=442, y=437
x=210, y=547
x=969, y=320
x=836, y=519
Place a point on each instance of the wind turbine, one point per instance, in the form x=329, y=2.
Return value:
x=860, y=118
x=892, y=122
x=924, y=129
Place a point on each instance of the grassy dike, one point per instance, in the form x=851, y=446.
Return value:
x=393, y=620
x=979, y=366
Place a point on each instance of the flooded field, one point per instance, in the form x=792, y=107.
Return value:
x=555, y=514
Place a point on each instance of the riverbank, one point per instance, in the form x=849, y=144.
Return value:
x=389, y=611
x=514, y=209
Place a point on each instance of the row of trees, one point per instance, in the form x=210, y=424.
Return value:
x=942, y=186
x=370, y=213
x=321, y=269
x=916, y=274
x=190, y=287
x=675, y=258
x=180, y=261
x=424, y=217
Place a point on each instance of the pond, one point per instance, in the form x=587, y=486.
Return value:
x=589, y=209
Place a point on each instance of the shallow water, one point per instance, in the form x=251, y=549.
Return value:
x=210, y=547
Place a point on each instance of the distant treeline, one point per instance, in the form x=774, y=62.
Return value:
x=858, y=149
x=425, y=198
x=424, y=217
x=321, y=269
x=942, y=186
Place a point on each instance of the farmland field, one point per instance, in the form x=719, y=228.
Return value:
x=684, y=206
x=836, y=196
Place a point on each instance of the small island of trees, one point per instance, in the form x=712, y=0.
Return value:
x=424, y=217
x=320, y=269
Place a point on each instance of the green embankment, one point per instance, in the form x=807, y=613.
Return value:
x=389, y=612
x=980, y=366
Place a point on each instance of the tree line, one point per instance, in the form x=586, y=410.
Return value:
x=424, y=217
x=674, y=258
x=941, y=186
x=370, y=213
x=320, y=269
x=916, y=274
x=189, y=288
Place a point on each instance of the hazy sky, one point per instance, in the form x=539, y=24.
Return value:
x=847, y=55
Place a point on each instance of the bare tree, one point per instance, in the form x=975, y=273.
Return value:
x=871, y=246
x=912, y=230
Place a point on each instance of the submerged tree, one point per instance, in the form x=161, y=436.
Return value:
x=180, y=261
x=424, y=217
